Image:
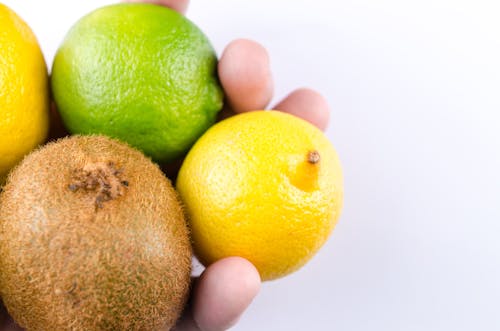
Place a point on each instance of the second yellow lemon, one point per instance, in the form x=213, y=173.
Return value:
x=24, y=94
x=264, y=185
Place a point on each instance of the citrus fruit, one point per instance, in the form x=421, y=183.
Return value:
x=141, y=73
x=263, y=185
x=24, y=93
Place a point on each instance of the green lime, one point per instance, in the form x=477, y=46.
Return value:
x=140, y=73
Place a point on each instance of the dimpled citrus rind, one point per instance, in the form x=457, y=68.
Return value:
x=24, y=93
x=251, y=190
x=141, y=73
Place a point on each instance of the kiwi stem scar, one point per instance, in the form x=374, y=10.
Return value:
x=104, y=178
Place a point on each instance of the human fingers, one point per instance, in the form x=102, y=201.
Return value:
x=245, y=75
x=224, y=291
x=178, y=5
x=307, y=104
x=221, y=295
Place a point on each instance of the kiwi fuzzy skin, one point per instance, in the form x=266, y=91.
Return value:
x=92, y=237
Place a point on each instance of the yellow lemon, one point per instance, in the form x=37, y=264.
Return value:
x=263, y=185
x=24, y=94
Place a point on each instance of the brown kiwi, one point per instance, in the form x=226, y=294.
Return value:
x=92, y=237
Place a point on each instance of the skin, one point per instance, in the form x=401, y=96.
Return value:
x=227, y=287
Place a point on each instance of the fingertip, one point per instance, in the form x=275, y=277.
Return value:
x=225, y=289
x=245, y=73
x=308, y=105
x=177, y=5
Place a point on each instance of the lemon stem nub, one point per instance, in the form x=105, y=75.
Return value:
x=313, y=157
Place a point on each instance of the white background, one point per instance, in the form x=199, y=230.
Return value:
x=414, y=88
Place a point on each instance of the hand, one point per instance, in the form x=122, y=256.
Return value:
x=227, y=287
